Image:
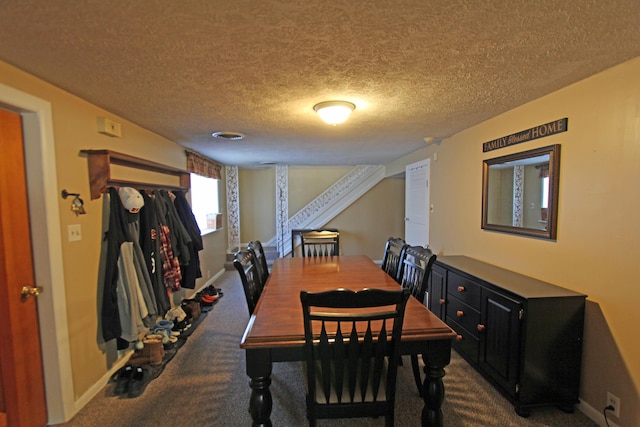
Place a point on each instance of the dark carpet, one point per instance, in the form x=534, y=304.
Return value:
x=205, y=384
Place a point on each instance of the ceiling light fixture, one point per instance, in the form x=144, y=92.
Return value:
x=334, y=112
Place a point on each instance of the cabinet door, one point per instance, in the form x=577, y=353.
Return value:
x=437, y=291
x=500, y=339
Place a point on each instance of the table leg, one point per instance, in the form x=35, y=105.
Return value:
x=433, y=394
x=438, y=356
x=260, y=403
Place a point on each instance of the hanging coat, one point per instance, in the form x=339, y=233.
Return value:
x=190, y=271
x=132, y=308
x=171, y=274
x=150, y=245
x=113, y=238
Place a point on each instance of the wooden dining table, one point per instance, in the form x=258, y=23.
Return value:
x=275, y=332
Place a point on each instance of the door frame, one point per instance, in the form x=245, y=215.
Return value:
x=427, y=164
x=44, y=215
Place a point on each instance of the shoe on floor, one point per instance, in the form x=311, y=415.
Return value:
x=140, y=378
x=122, y=381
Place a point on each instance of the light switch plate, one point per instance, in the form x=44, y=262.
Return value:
x=75, y=232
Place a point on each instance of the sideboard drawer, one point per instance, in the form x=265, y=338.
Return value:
x=464, y=289
x=465, y=341
x=463, y=314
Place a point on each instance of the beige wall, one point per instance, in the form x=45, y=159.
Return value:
x=74, y=126
x=257, y=195
x=308, y=182
x=367, y=224
x=597, y=250
x=364, y=226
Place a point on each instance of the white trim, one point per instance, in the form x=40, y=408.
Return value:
x=47, y=250
x=233, y=208
x=212, y=279
x=332, y=201
x=282, y=207
x=96, y=388
x=595, y=415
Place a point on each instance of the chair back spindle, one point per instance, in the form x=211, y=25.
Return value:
x=352, y=356
x=393, y=254
x=323, y=243
x=415, y=269
x=261, y=260
x=245, y=263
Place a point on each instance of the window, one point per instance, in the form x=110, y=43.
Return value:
x=204, y=202
x=545, y=192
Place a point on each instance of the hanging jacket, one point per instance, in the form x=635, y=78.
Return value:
x=143, y=278
x=171, y=274
x=150, y=245
x=113, y=238
x=190, y=271
x=179, y=235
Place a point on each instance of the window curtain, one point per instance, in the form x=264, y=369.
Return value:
x=197, y=163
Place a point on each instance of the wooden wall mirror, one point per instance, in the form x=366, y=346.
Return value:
x=520, y=192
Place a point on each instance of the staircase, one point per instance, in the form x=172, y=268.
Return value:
x=323, y=208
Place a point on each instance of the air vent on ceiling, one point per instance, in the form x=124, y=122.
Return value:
x=227, y=135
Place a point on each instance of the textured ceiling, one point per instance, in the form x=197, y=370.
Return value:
x=414, y=68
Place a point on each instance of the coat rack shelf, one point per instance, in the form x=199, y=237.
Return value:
x=100, y=162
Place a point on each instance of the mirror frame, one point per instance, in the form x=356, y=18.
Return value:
x=554, y=182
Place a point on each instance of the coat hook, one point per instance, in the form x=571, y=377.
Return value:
x=66, y=194
x=77, y=204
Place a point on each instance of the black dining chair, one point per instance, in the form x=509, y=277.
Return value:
x=351, y=370
x=393, y=253
x=325, y=242
x=261, y=260
x=415, y=268
x=245, y=263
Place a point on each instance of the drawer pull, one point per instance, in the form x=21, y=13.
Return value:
x=458, y=337
x=459, y=313
x=443, y=301
x=461, y=289
x=481, y=327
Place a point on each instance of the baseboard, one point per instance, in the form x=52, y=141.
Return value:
x=212, y=279
x=594, y=414
x=99, y=385
x=104, y=380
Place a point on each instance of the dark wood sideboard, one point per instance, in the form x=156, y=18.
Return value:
x=524, y=335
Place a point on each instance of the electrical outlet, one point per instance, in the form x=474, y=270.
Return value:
x=614, y=401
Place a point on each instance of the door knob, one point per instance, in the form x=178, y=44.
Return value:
x=28, y=291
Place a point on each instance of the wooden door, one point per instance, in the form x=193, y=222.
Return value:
x=22, y=395
x=416, y=228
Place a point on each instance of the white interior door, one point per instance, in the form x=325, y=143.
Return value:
x=416, y=228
